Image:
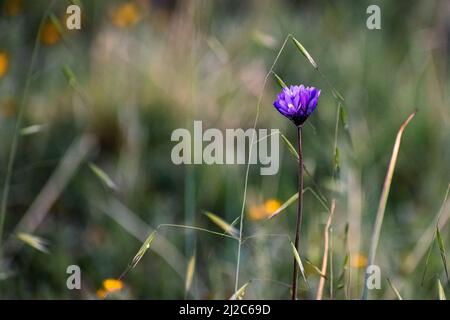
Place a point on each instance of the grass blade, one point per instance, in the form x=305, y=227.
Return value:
x=290, y=146
x=36, y=128
x=440, y=242
x=190, y=273
x=344, y=269
x=427, y=261
x=336, y=160
x=326, y=251
x=441, y=291
x=337, y=95
x=34, y=242
x=344, y=117
x=219, y=50
x=290, y=201
x=103, y=176
x=294, y=198
x=384, y=197
x=69, y=75
x=280, y=81
x=318, y=197
x=264, y=39
x=222, y=224
x=316, y=269
x=397, y=294
x=411, y=262
x=300, y=264
x=17, y=126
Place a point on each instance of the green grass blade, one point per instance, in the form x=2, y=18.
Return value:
x=69, y=75
x=318, y=197
x=103, y=176
x=190, y=273
x=294, y=198
x=427, y=261
x=344, y=117
x=441, y=291
x=280, y=81
x=194, y=228
x=222, y=224
x=336, y=160
x=264, y=39
x=290, y=146
x=33, y=129
x=17, y=126
x=290, y=201
x=440, y=242
x=397, y=293
x=316, y=269
x=34, y=242
x=337, y=95
x=343, y=270
x=299, y=262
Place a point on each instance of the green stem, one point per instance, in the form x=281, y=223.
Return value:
x=299, y=210
x=15, y=138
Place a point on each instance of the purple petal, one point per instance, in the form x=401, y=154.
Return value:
x=297, y=102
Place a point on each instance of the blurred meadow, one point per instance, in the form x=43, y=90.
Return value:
x=87, y=116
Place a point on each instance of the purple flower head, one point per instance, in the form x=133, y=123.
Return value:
x=297, y=103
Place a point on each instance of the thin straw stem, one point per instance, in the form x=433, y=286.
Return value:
x=299, y=210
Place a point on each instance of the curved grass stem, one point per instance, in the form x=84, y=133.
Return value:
x=241, y=218
x=17, y=127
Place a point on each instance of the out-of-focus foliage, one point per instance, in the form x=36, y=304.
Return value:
x=137, y=70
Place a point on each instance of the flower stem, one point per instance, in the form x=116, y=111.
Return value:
x=299, y=210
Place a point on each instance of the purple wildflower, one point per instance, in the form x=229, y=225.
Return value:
x=297, y=103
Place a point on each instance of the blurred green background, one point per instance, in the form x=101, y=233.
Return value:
x=111, y=94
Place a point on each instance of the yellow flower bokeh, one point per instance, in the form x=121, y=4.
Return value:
x=50, y=34
x=12, y=7
x=112, y=285
x=359, y=261
x=8, y=107
x=109, y=286
x=4, y=63
x=125, y=15
x=263, y=211
x=101, y=293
